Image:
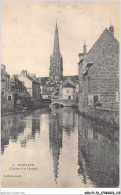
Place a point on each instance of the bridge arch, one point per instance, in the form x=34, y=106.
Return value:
x=58, y=104
x=65, y=103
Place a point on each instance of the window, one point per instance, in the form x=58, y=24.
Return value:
x=95, y=99
x=74, y=91
x=69, y=97
x=90, y=100
x=3, y=92
x=9, y=98
x=67, y=91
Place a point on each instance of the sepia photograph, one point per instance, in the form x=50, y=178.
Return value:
x=60, y=94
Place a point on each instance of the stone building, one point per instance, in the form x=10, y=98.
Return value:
x=43, y=82
x=21, y=96
x=7, y=97
x=99, y=75
x=56, y=61
x=31, y=84
x=67, y=91
x=49, y=89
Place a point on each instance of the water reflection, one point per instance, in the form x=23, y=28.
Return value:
x=55, y=138
x=97, y=157
x=60, y=120
x=68, y=119
x=11, y=126
x=15, y=124
x=97, y=153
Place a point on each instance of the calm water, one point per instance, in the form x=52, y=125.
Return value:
x=58, y=148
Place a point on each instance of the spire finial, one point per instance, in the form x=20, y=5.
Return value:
x=56, y=25
x=56, y=48
x=111, y=24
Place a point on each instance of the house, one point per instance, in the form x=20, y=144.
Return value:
x=31, y=84
x=67, y=91
x=21, y=96
x=7, y=96
x=99, y=74
x=47, y=94
x=43, y=82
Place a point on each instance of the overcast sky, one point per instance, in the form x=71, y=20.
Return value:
x=27, y=31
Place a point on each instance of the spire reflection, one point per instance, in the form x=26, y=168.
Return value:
x=55, y=137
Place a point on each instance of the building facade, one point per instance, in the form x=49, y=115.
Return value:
x=21, y=96
x=99, y=74
x=7, y=97
x=31, y=84
x=67, y=91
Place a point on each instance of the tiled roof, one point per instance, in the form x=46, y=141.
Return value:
x=32, y=79
x=72, y=78
x=17, y=83
x=51, y=84
x=101, y=38
x=48, y=92
x=68, y=85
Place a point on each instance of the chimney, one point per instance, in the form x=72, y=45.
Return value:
x=24, y=72
x=15, y=77
x=33, y=75
x=84, y=48
x=111, y=29
x=3, y=67
x=39, y=80
x=80, y=55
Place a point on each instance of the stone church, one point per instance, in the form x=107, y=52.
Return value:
x=50, y=86
x=56, y=61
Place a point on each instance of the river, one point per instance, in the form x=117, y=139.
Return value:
x=57, y=148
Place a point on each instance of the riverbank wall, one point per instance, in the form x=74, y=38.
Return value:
x=29, y=105
x=40, y=104
x=110, y=117
x=7, y=106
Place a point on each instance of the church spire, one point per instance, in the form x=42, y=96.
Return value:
x=56, y=61
x=56, y=48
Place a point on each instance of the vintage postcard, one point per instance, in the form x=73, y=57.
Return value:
x=60, y=94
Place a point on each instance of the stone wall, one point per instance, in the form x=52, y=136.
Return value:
x=99, y=78
x=35, y=91
x=7, y=105
x=107, y=116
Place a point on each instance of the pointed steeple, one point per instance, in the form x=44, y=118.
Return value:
x=56, y=61
x=56, y=48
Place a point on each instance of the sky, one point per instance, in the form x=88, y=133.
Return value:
x=27, y=32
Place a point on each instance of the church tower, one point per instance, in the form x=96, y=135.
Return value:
x=56, y=61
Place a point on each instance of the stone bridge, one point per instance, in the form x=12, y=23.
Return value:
x=65, y=103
